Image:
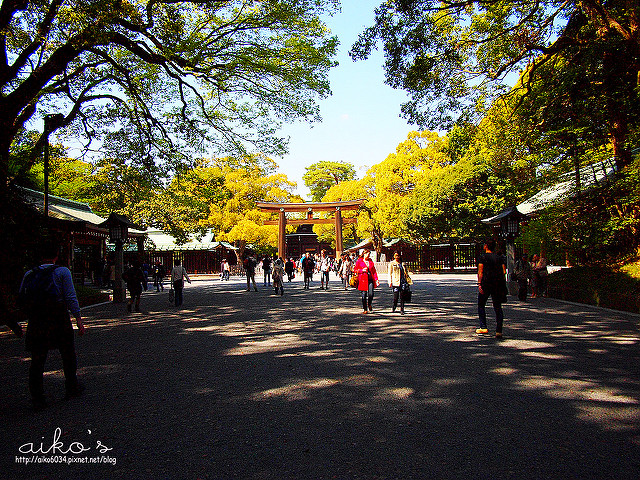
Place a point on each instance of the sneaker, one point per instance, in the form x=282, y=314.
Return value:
x=482, y=330
x=498, y=334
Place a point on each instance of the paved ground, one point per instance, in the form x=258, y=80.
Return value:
x=248, y=385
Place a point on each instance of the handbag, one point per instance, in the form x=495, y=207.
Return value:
x=503, y=292
x=353, y=281
x=406, y=293
x=172, y=296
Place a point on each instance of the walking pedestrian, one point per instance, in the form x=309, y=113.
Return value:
x=226, y=270
x=289, y=268
x=491, y=283
x=266, y=269
x=278, y=276
x=540, y=273
x=346, y=269
x=324, y=267
x=249, y=263
x=367, y=279
x=146, y=269
x=158, y=276
x=399, y=280
x=178, y=276
x=308, y=265
x=135, y=281
x=47, y=295
x=522, y=272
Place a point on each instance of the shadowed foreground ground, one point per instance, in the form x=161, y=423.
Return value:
x=248, y=385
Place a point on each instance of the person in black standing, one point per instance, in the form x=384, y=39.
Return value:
x=491, y=283
x=288, y=268
x=134, y=277
x=266, y=270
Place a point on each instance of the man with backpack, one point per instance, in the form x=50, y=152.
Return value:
x=47, y=295
x=249, y=263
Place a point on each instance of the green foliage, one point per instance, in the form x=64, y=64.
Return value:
x=182, y=207
x=176, y=78
x=321, y=176
x=603, y=286
x=456, y=58
x=393, y=181
x=247, y=180
x=346, y=190
x=452, y=193
x=600, y=226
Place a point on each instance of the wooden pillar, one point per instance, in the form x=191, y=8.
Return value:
x=338, y=220
x=511, y=262
x=282, y=231
x=119, y=292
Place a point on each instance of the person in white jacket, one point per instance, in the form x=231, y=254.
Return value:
x=398, y=280
x=178, y=274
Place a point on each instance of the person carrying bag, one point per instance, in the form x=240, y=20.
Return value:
x=177, y=275
x=399, y=281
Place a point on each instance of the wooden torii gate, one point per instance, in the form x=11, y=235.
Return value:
x=309, y=208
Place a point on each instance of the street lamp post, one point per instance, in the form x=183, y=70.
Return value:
x=51, y=122
x=118, y=233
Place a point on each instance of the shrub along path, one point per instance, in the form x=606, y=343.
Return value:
x=248, y=385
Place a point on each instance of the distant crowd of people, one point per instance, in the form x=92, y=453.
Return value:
x=531, y=273
x=47, y=294
x=353, y=271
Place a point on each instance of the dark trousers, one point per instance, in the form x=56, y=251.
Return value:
x=397, y=295
x=367, y=297
x=497, y=307
x=69, y=366
x=178, y=286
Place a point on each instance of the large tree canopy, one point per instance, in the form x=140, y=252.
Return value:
x=323, y=175
x=174, y=77
x=456, y=57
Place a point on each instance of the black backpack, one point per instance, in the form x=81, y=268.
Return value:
x=39, y=295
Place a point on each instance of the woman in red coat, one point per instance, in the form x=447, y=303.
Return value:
x=367, y=279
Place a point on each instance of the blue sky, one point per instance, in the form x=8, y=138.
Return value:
x=361, y=123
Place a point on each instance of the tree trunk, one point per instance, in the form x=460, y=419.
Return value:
x=241, y=244
x=616, y=68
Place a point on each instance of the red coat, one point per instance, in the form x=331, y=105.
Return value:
x=363, y=276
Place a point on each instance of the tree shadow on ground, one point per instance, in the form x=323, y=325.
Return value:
x=251, y=385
